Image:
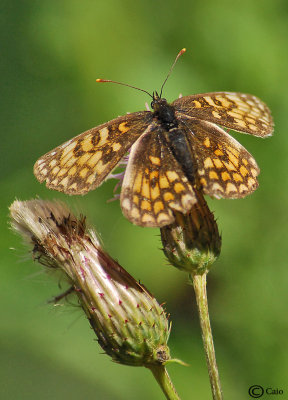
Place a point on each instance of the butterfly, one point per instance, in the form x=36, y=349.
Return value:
x=175, y=150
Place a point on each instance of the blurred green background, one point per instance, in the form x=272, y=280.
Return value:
x=51, y=54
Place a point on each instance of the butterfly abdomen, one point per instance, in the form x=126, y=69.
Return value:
x=181, y=151
x=174, y=137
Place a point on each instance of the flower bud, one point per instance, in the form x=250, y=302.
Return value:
x=130, y=325
x=192, y=243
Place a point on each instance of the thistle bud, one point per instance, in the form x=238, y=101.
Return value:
x=130, y=325
x=192, y=243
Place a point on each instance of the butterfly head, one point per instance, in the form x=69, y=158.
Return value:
x=162, y=109
x=157, y=103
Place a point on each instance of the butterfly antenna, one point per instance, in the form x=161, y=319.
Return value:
x=124, y=84
x=171, y=69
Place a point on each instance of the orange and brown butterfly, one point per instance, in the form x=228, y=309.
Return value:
x=175, y=150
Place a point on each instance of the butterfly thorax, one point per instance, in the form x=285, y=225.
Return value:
x=164, y=112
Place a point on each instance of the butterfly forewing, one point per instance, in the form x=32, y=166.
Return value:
x=237, y=111
x=83, y=162
x=224, y=167
x=154, y=184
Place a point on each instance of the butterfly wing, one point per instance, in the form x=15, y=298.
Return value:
x=82, y=163
x=154, y=184
x=237, y=111
x=224, y=167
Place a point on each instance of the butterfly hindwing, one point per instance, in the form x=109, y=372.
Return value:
x=82, y=163
x=237, y=111
x=154, y=184
x=224, y=167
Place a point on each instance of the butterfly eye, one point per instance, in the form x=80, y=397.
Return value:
x=152, y=104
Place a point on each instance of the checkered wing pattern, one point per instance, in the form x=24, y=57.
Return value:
x=82, y=163
x=224, y=167
x=237, y=111
x=154, y=184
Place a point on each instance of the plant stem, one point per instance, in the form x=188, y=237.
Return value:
x=161, y=375
x=199, y=283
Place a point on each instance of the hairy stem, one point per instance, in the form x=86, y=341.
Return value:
x=161, y=375
x=199, y=283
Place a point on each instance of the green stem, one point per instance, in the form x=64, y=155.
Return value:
x=161, y=375
x=199, y=283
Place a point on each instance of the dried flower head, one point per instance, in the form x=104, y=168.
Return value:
x=130, y=325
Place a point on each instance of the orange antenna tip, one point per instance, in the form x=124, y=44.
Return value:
x=102, y=80
x=124, y=84
x=180, y=54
